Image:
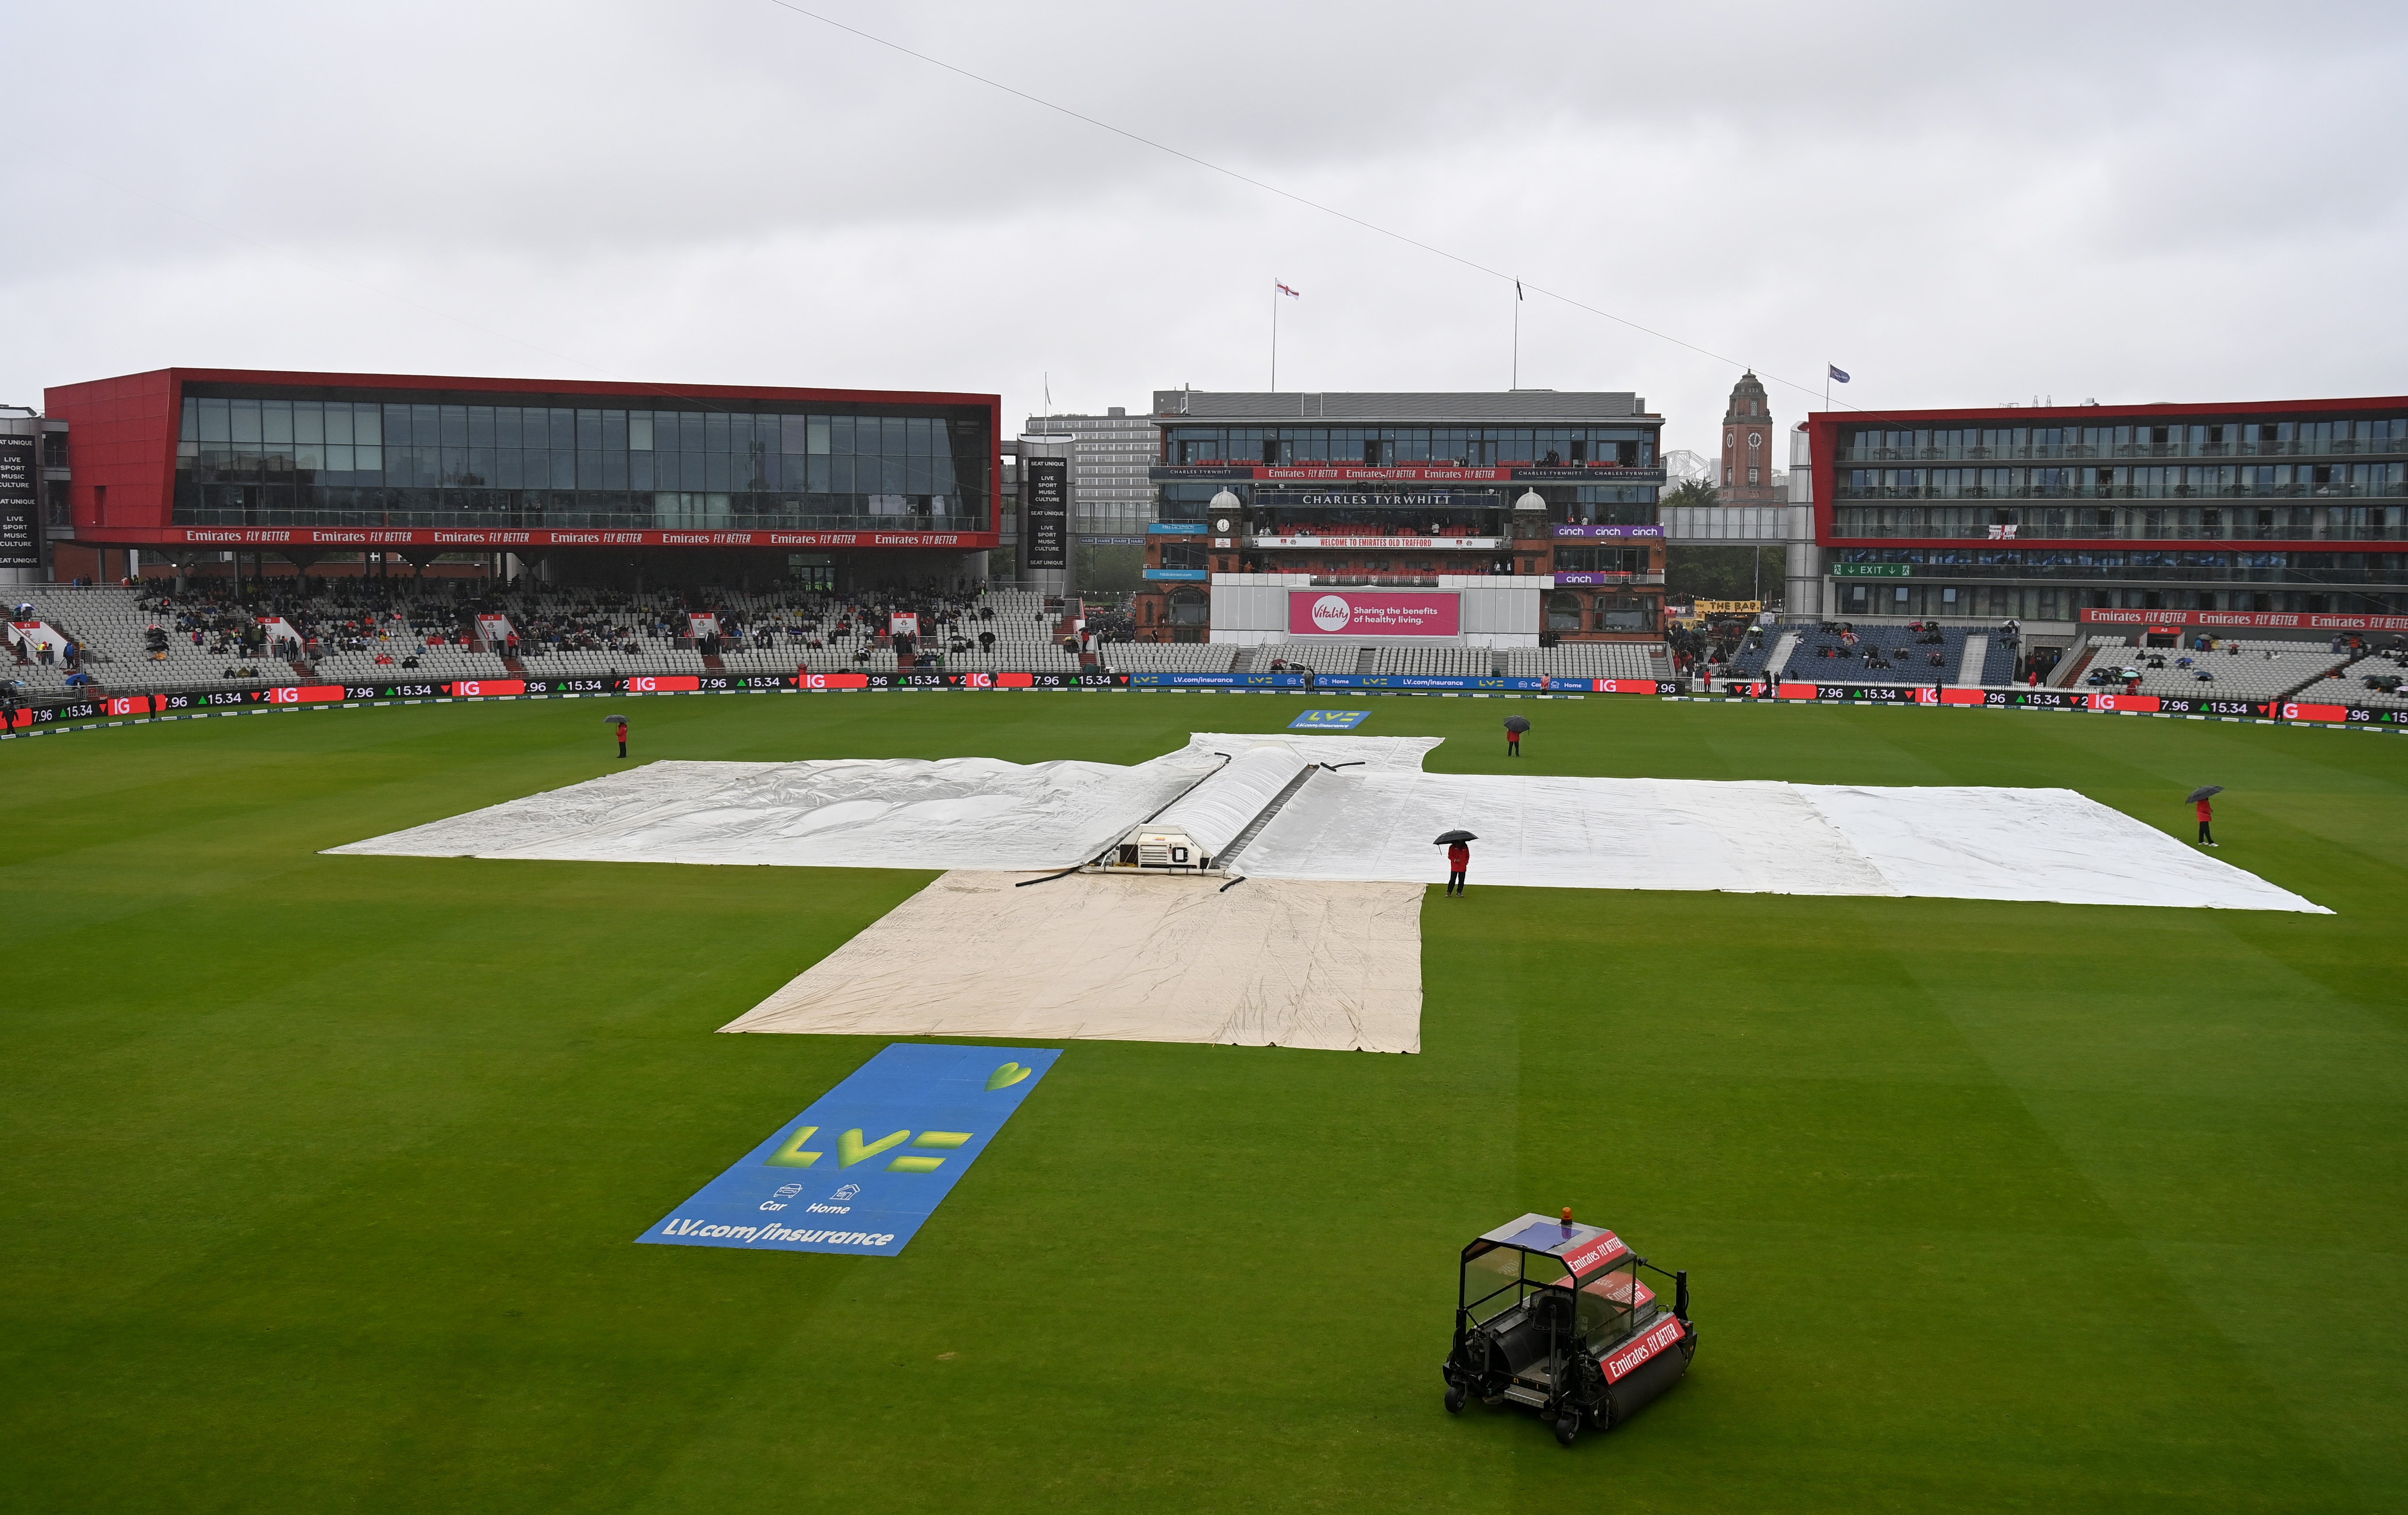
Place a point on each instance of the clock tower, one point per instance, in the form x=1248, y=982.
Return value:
x=1746, y=475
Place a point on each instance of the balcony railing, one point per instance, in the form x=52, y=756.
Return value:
x=2132, y=492
x=1845, y=527
x=2380, y=447
x=2297, y=578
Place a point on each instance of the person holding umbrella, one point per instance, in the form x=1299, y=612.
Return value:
x=2206, y=812
x=1459, y=857
x=619, y=723
x=1515, y=726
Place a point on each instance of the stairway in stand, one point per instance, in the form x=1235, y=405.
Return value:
x=1777, y=666
x=1969, y=667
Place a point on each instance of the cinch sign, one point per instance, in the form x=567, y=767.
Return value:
x=1358, y=612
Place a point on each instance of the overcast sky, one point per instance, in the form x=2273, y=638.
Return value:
x=1961, y=205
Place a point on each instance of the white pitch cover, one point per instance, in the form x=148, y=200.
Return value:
x=1371, y=824
x=1748, y=836
x=880, y=813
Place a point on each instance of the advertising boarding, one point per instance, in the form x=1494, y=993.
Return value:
x=861, y=1170
x=1045, y=535
x=21, y=545
x=1374, y=612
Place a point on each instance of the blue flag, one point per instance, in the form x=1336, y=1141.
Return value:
x=1838, y=373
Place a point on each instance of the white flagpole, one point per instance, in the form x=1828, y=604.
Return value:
x=1275, y=294
x=1516, y=383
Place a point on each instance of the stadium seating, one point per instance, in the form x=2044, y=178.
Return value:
x=1872, y=655
x=1169, y=657
x=1588, y=660
x=2236, y=670
x=1970, y=655
x=112, y=626
x=2379, y=680
x=1321, y=657
x=1433, y=662
x=577, y=631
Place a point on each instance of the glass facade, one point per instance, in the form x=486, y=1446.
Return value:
x=2030, y=601
x=1589, y=505
x=2181, y=482
x=2067, y=482
x=1388, y=447
x=2154, y=439
x=2094, y=564
x=2205, y=524
x=643, y=463
x=2076, y=517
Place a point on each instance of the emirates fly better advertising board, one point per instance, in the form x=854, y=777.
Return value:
x=1374, y=612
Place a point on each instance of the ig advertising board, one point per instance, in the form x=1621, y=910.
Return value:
x=1374, y=612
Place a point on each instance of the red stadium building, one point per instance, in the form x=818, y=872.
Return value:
x=582, y=481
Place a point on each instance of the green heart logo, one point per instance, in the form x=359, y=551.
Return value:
x=1008, y=1075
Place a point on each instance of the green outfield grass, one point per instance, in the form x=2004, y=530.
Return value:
x=324, y=1173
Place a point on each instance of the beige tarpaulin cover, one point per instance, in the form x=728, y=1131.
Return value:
x=1265, y=963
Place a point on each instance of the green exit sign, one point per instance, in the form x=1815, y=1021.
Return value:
x=1872, y=570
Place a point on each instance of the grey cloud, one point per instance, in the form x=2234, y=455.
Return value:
x=1959, y=204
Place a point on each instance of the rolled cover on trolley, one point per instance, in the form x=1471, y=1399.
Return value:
x=1216, y=811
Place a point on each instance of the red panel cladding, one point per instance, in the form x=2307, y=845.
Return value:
x=120, y=438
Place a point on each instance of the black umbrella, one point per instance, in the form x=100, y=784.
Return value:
x=614, y=720
x=1516, y=722
x=2203, y=792
x=1444, y=838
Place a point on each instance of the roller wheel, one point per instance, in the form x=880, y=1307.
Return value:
x=1455, y=1395
x=1567, y=1428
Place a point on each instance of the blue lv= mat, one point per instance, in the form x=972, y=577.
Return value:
x=870, y=1161
x=1329, y=720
